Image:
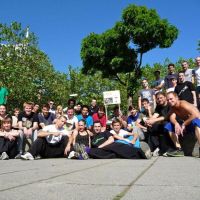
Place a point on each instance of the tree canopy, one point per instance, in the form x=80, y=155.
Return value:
x=120, y=49
x=25, y=70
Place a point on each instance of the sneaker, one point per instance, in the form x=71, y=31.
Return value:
x=38, y=157
x=168, y=152
x=27, y=156
x=81, y=149
x=176, y=153
x=18, y=156
x=73, y=154
x=4, y=156
x=156, y=152
x=146, y=150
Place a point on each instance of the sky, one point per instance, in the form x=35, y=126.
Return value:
x=62, y=24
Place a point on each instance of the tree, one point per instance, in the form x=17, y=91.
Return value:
x=92, y=86
x=120, y=49
x=26, y=71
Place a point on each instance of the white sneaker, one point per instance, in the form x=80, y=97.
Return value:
x=73, y=154
x=156, y=152
x=27, y=156
x=4, y=156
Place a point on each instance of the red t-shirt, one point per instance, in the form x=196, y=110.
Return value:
x=102, y=120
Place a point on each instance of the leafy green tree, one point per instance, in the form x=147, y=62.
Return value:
x=92, y=86
x=120, y=49
x=26, y=71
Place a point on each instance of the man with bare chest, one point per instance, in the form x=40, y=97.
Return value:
x=188, y=121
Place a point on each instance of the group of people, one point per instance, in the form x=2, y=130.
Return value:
x=165, y=112
x=169, y=108
x=72, y=133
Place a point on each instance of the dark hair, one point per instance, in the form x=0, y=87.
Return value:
x=96, y=122
x=73, y=100
x=160, y=93
x=131, y=108
x=184, y=61
x=79, y=103
x=145, y=100
x=116, y=108
x=46, y=106
x=181, y=72
x=84, y=106
x=101, y=108
x=171, y=64
x=82, y=120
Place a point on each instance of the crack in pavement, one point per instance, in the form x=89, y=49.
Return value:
x=122, y=194
x=60, y=175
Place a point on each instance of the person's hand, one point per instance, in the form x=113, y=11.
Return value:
x=10, y=137
x=67, y=149
x=178, y=129
x=182, y=129
x=149, y=122
x=144, y=129
x=133, y=142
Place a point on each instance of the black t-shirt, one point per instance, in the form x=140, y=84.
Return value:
x=93, y=110
x=28, y=120
x=184, y=91
x=162, y=110
x=100, y=138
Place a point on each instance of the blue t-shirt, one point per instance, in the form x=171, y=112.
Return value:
x=132, y=118
x=137, y=142
x=88, y=119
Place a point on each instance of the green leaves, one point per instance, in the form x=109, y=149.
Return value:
x=26, y=71
x=111, y=52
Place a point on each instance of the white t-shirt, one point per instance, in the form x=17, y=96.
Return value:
x=52, y=139
x=188, y=75
x=122, y=133
x=71, y=122
x=197, y=75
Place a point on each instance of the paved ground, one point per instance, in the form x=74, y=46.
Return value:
x=158, y=178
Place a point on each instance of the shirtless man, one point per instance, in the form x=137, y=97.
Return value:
x=190, y=117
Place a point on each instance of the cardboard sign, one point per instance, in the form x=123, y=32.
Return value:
x=111, y=97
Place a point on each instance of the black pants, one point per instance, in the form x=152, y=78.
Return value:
x=125, y=151
x=119, y=150
x=43, y=148
x=159, y=137
x=99, y=153
x=10, y=147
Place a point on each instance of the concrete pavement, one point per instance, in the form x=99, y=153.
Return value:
x=50, y=179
